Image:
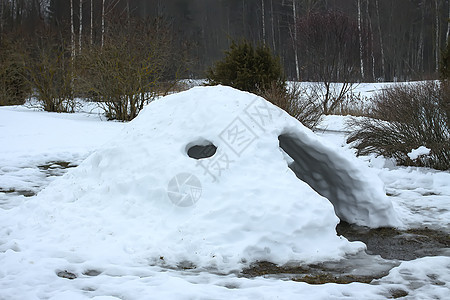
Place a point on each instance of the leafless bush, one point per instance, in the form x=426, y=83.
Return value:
x=446, y=98
x=404, y=118
x=331, y=95
x=353, y=104
x=296, y=102
x=50, y=71
x=128, y=71
x=13, y=83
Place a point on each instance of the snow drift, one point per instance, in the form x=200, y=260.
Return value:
x=205, y=178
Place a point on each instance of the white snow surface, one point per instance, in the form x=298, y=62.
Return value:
x=32, y=138
x=111, y=222
x=415, y=153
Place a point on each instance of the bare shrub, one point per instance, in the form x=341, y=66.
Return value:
x=353, y=104
x=50, y=72
x=445, y=103
x=331, y=95
x=128, y=71
x=13, y=84
x=404, y=118
x=295, y=101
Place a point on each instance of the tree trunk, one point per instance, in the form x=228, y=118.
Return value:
x=72, y=31
x=263, y=22
x=361, y=53
x=80, y=31
x=419, y=61
x=128, y=9
x=273, y=29
x=243, y=17
x=103, y=23
x=2, y=9
x=294, y=14
x=437, y=35
x=92, y=22
x=37, y=4
x=383, y=68
x=280, y=47
x=128, y=12
x=17, y=11
x=13, y=9
x=372, y=55
x=448, y=24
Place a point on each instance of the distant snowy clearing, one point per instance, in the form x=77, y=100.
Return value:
x=126, y=222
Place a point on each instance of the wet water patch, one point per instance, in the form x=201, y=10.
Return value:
x=386, y=248
x=14, y=192
x=19, y=183
x=66, y=274
x=360, y=267
x=92, y=273
x=391, y=243
x=56, y=168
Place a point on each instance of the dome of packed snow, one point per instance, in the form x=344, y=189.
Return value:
x=211, y=177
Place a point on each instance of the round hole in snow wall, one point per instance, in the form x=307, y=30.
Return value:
x=199, y=150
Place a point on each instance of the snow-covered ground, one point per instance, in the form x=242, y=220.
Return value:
x=38, y=146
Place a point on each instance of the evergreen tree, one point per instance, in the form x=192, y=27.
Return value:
x=247, y=68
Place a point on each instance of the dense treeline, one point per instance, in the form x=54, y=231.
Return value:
x=398, y=40
x=124, y=53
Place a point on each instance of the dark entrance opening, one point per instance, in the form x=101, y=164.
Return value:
x=325, y=176
x=201, y=151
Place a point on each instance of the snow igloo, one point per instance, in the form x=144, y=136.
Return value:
x=212, y=177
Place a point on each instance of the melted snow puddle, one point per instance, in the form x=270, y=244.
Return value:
x=19, y=183
x=361, y=267
x=56, y=168
x=424, y=278
x=386, y=248
x=394, y=244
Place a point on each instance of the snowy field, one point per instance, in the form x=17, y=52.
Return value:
x=72, y=237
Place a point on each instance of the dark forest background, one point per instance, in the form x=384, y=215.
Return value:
x=399, y=40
